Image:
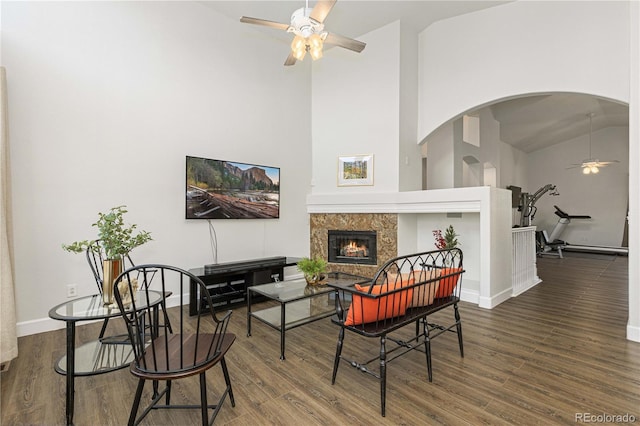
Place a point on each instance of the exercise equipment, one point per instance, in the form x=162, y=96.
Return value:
x=547, y=244
x=527, y=202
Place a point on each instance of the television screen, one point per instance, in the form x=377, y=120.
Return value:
x=219, y=189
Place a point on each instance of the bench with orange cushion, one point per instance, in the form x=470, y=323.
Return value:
x=404, y=291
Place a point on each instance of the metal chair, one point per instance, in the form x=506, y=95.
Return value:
x=95, y=257
x=165, y=356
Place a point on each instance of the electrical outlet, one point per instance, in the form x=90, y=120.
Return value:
x=72, y=290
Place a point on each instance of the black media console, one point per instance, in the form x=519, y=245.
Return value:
x=227, y=282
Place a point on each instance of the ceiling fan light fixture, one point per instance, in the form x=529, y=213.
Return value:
x=586, y=170
x=315, y=44
x=307, y=26
x=299, y=47
x=315, y=53
x=594, y=169
x=315, y=41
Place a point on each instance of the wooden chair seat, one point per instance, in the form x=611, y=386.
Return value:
x=154, y=364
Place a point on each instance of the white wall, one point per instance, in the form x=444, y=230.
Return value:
x=519, y=48
x=107, y=98
x=410, y=158
x=440, y=160
x=355, y=107
x=604, y=196
x=445, y=150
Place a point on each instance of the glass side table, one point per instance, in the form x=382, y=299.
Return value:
x=97, y=357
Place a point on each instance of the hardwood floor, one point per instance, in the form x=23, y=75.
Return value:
x=540, y=358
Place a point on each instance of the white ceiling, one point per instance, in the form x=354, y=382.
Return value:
x=352, y=18
x=528, y=123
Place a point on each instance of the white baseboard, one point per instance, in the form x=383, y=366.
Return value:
x=471, y=296
x=633, y=333
x=532, y=284
x=43, y=325
x=493, y=301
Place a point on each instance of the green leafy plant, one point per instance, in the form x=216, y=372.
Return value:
x=116, y=238
x=313, y=269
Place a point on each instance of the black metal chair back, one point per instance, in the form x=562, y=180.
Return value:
x=198, y=344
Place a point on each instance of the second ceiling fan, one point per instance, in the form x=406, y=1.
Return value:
x=591, y=165
x=308, y=26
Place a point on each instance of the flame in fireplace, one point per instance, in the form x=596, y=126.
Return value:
x=352, y=249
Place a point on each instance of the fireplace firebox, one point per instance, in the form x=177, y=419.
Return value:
x=355, y=247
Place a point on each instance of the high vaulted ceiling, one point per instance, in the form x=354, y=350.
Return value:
x=353, y=18
x=532, y=123
x=529, y=123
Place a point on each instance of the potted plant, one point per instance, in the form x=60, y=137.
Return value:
x=448, y=241
x=116, y=240
x=313, y=269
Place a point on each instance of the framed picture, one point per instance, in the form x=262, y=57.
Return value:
x=355, y=170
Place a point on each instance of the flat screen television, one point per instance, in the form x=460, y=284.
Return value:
x=217, y=189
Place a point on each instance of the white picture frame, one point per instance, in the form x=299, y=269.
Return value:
x=355, y=170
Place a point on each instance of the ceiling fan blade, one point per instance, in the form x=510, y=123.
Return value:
x=291, y=60
x=321, y=10
x=346, y=42
x=606, y=163
x=264, y=22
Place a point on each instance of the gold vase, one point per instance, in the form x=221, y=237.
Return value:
x=110, y=270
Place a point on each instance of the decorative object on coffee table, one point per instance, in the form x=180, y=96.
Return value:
x=314, y=270
x=117, y=240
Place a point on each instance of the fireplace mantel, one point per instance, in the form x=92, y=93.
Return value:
x=493, y=256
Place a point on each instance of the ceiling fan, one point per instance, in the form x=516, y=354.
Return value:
x=591, y=165
x=308, y=26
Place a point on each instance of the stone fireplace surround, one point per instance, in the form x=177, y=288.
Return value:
x=386, y=225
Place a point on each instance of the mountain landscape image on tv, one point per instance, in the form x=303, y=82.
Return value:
x=219, y=189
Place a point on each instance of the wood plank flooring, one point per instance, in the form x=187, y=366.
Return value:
x=540, y=358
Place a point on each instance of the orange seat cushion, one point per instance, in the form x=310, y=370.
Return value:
x=447, y=284
x=365, y=310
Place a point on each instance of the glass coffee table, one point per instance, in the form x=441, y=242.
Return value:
x=299, y=304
